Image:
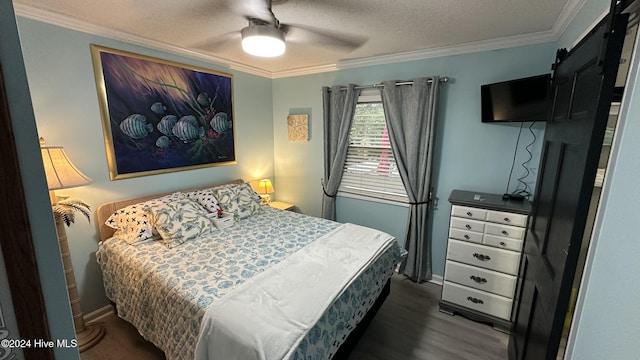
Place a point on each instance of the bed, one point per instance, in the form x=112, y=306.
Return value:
x=275, y=285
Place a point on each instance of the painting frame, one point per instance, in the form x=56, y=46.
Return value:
x=160, y=116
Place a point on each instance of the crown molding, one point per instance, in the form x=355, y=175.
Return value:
x=305, y=71
x=477, y=46
x=86, y=27
x=565, y=17
x=568, y=13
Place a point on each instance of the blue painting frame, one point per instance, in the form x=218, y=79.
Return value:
x=160, y=116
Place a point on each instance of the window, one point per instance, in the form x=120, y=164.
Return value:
x=370, y=169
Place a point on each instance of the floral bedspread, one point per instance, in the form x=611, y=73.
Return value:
x=165, y=292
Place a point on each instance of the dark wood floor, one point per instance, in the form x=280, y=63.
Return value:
x=408, y=326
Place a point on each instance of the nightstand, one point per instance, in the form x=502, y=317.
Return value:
x=281, y=205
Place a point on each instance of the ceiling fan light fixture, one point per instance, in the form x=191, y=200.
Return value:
x=263, y=40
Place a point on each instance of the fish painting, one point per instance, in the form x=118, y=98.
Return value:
x=187, y=132
x=221, y=123
x=167, y=123
x=190, y=119
x=163, y=142
x=136, y=126
x=158, y=108
x=158, y=115
x=203, y=99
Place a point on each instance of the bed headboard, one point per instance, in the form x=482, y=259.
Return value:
x=105, y=210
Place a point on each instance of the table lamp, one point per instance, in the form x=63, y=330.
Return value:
x=265, y=188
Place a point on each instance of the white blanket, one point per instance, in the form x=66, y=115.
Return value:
x=268, y=316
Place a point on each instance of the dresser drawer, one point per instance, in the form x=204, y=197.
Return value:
x=487, y=257
x=468, y=212
x=507, y=218
x=498, y=306
x=503, y=242
x=465, y=235
x=467, y=224
x=482, y=279
x=505, y=231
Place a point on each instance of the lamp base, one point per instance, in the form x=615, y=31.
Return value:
x=91, y=335
x=266, y=199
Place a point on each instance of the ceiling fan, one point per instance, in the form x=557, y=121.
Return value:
x=266, y=36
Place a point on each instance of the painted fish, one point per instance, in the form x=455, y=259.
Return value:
x=158, y=108
x=136, y=126
x=163, y=142
x=221, y=123
x=190, y=119
x=203, y=99
x=187, y=132
x=167, y=123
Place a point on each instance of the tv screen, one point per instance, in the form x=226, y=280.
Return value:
x=523, y=99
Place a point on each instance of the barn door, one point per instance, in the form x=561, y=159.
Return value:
x=583, y=84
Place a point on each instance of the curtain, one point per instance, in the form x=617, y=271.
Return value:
x=410, y=114
x=339, y=106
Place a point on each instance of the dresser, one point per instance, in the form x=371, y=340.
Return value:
x=486, y=237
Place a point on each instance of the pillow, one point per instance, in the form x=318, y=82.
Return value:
x=179, y=221
x=133, y=222
x=155, y=237
x=245, y=188
x=205, y=198
x=238, y=199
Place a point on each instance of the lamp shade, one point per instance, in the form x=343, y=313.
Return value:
x=60, y=171
x=265, y=187
x=263, y=40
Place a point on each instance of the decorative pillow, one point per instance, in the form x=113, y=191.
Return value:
x=155, y=237
x=205, y=198
x=179, y=221
x=239, y=200
x=133, y=222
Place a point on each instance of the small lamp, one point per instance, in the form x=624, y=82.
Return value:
x=62, y=174
x=265, y=188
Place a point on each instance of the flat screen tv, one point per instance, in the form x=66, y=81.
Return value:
x=525, y=99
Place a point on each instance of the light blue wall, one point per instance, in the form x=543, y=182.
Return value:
x=65, y=103
x=43, y=231
x=607, y=314
x=469, y=155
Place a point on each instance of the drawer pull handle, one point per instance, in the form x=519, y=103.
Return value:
x=478, y=279
x=481, y=257
x=468, y=227
x=469, y=213
x=503, y=243
x=507, y=219
x=505, y=232
x=467, y=237
x=475, y=300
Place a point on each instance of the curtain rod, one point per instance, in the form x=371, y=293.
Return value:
x=443, y=79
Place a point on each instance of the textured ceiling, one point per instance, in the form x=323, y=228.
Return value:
x=384, y=28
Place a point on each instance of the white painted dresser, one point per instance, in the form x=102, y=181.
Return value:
x=486, y=236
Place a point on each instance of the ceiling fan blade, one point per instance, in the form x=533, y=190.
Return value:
x=219, y=43
x=253, y=9
x=307, y=34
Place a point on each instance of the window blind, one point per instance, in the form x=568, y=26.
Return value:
x=370, y=169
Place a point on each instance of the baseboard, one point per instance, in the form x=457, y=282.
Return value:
x=436, y=279
x=99, y=314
